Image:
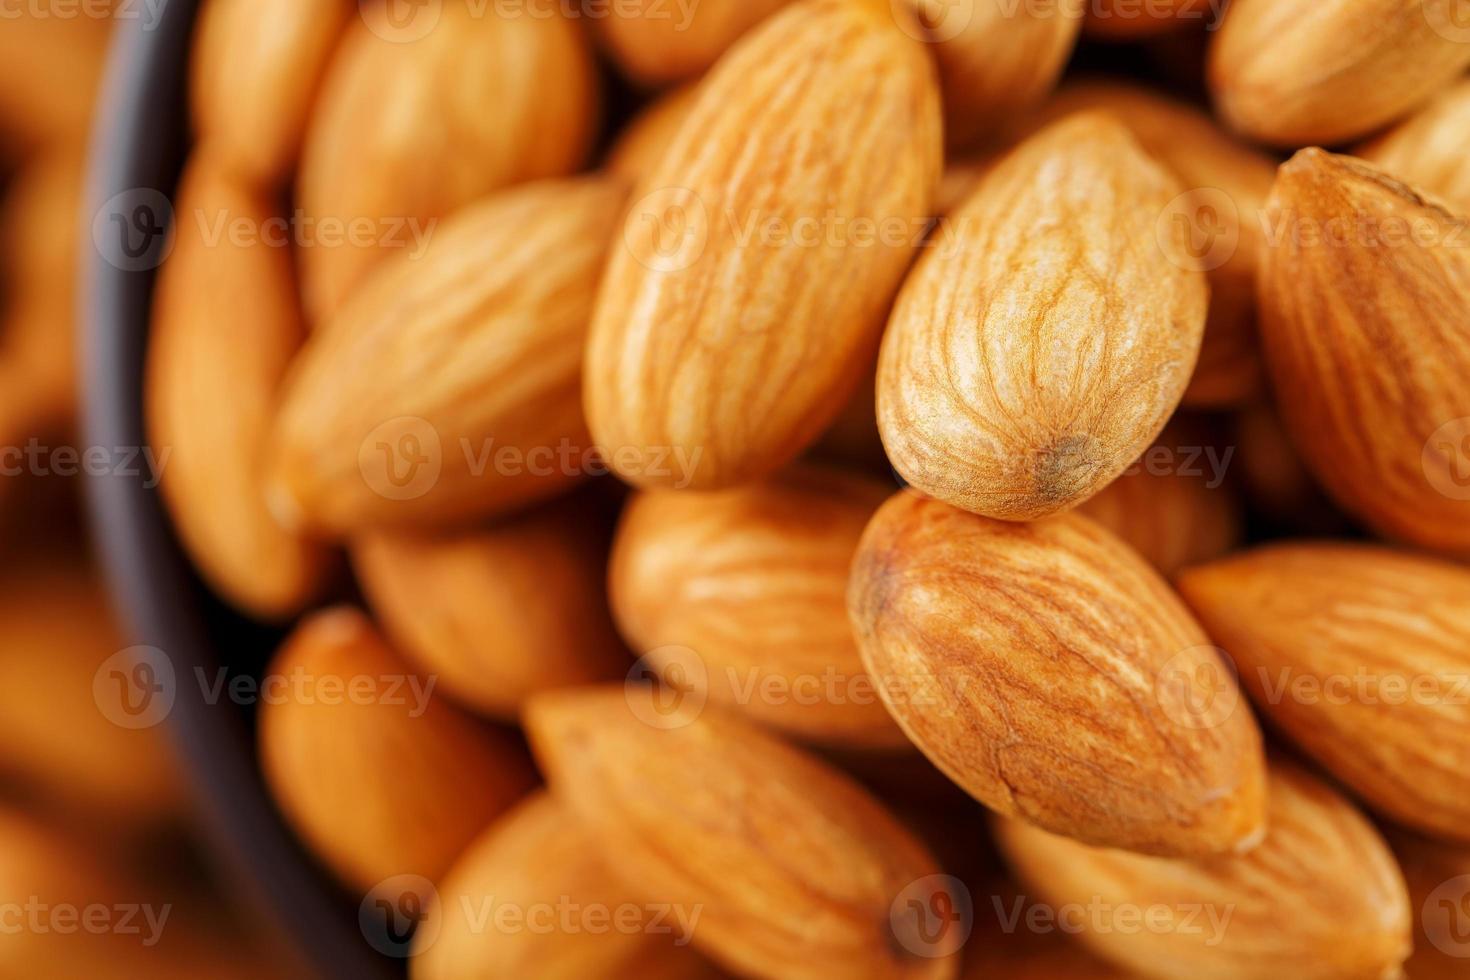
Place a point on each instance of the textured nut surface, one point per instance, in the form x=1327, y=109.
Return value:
x=1428, y=149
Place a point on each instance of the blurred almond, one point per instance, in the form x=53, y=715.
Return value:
x=1320, y=899
x=1438, y=875
x=255, y=71
x=376, y=773
x=1021, y=396
x=1275, y=479
x=450, y=388
x=643, y=143
x=50, y=74
x=572, y=919
x=798, y=871
x=225, y=327
x=500, y=612
x=655, y=42
x=1055, y=676
x=741, y=595
x=739, y=314
x=1363, y=296
x=419, y=118
x=1428, y=149
x=1296, y=72
x=1361, y=656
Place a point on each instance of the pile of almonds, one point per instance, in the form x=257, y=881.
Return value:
x=846, y=240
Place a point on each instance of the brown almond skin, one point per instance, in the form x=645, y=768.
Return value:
x=255, y=71
x=377, y=784
x=1383, y=638
x=501, y=612
x=642, y=144
x=737, y=351
x=1227, y=183
x=50, y=73
x=411, y=128
x=655, y=42
x=1370, y=381
x=995, y=59
x=540, y=855
x=753, y=581
x=795, y=865
x=1049, y=671
x=1297, y=72
x=1320, y=898
x=1018, y=396
x=447, y=360
x=225, y=328
x=1438, y=876
x=1428, y=149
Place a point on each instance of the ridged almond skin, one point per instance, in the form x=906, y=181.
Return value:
x=1050, y=672
x=743, y=343
x=655, y=42
x=539, y=855
x=1032, y=358
x=753, y=580
x=1428, y=149
x=1320, y=898
x=1361, y=656
x=1296, y=72
x=795, y=865
x=478, y=345
x=410, y=129
x=1368, y=344
x=225, y=328
x=995, y=58
x=1228, y=183
x=642, y=144
x=1438, y=876
x=255, y=69
x=385, y=782
x=1127, y=20
x=501, y=612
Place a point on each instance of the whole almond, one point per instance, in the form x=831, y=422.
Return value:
x=226, y=325
x=450, y=388
x=374, y=770
x=1126, y=20
x=1320, y=899
x=1361, y=656
x=50, y=72
x=540, y=857
x=413, y=124
x=1438, y=875
x=501, y=612
x=1018, y=396
x=1294, y=72
x=742, y=593
x=800, y=873
x=643, y=142
x=255, y=72
x=1053, y=674
x=1428, y=149
x=744, y=302
x=996, y=58
x=1363, y=300
x=656, y=42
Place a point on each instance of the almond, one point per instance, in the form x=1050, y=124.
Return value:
x=743, y=592
x=377, y=774
x=1126, y=20
x=1018, y=396
x=1225, y=189
x=1438, y=875
x=996, y=58
x=1363, y=299
x=1428, y=149
x=644, y=142
x=1293, y=72
x=225, y=327
x=763, y=252
x=1055, y=676
x=450, y=388
x=799, y=872
x=1320, y=899
x=255, y=71
x=574, y=919
x=417, y=119
x=656, y=42
x=501, y=612
x=50, y=71
x=1361, y=656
